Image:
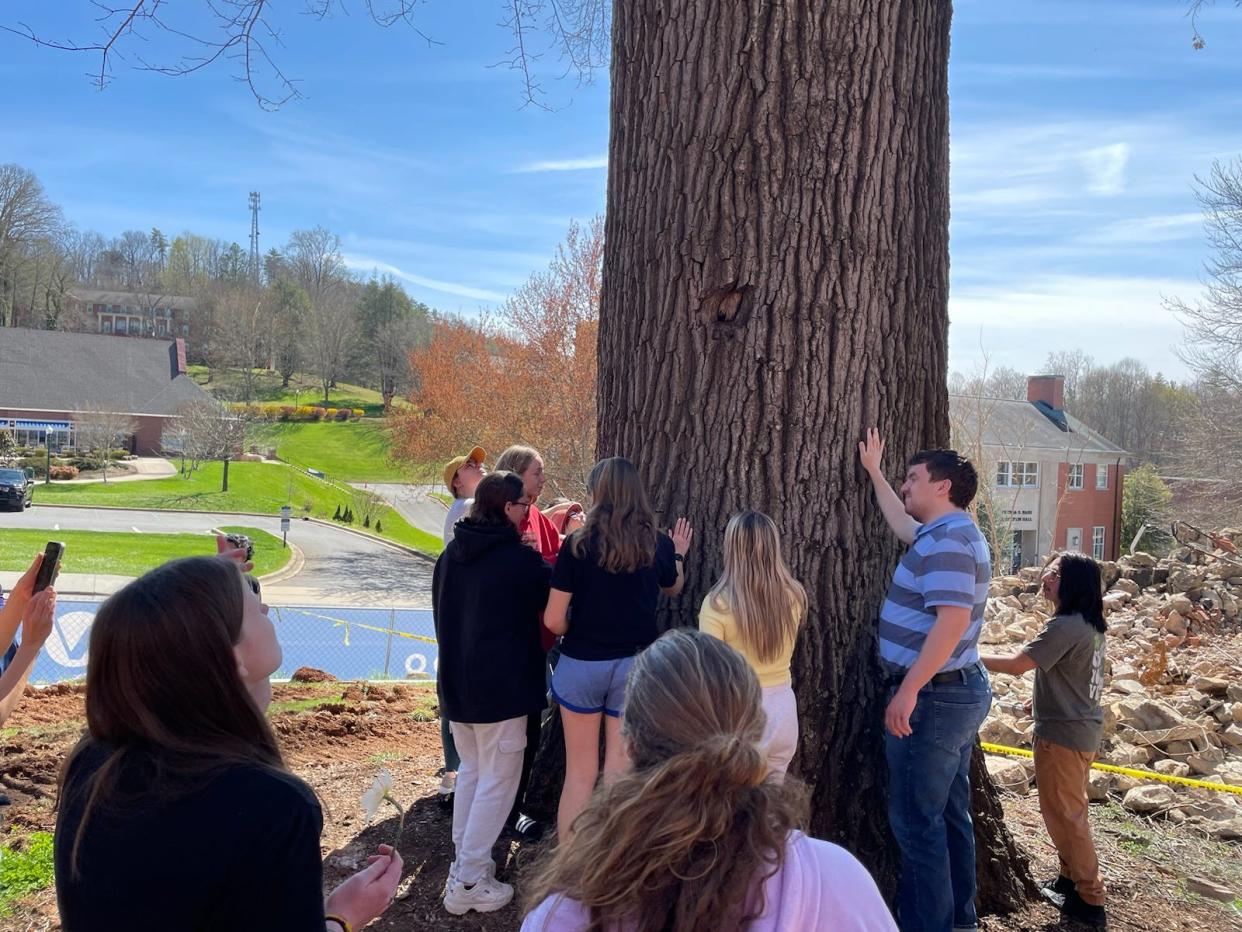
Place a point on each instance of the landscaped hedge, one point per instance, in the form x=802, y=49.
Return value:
x=64, y=472
x=278, y=412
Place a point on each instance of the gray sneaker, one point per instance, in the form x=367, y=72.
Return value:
x=486, y=896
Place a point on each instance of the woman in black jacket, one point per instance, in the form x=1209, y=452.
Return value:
x=487, y=590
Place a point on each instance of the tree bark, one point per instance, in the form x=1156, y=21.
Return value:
x=776, y=281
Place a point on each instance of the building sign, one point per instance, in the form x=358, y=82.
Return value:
x=1019, y=519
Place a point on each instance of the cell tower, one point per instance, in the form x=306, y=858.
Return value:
x=254, y=236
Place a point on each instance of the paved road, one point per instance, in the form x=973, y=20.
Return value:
x=341, y=568
x=414, y=504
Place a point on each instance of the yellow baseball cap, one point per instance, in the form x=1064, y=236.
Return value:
x=457, y=462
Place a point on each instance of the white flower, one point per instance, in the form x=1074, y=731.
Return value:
x=373, y=797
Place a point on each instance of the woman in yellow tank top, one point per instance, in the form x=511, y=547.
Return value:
x=756, y=607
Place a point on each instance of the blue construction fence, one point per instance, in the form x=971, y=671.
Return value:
x=350, y=642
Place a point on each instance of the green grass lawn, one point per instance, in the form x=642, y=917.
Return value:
x=303, y=389
x=254, y=487
x=349, y=451
x=25, y=867
x=127, y=553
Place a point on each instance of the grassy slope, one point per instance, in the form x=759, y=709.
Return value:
x=254, y=487
x=125, y=553
x=350, y=451
x=226, y=384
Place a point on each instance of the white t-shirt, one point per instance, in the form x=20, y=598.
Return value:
x=820, y=888
x=456, y=512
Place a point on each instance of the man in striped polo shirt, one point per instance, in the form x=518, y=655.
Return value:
x=938, y=693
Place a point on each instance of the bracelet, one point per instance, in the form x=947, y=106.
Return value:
x=345, y=926
x=679, y=558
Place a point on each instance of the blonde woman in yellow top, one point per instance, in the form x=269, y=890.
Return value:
x=756, y=607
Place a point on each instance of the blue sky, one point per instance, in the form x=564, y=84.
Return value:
x=1076, y=131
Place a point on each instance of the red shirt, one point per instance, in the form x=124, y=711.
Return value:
x=539, y=532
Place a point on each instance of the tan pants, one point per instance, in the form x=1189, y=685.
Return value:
x=1061, y=774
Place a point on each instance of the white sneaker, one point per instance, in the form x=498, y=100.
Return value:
x=486, y=896
x=452, y=874
x=448, y=782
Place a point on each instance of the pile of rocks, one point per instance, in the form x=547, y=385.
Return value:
x=1173, y=683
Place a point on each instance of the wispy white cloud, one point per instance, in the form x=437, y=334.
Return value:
x=1165, y=228
x=563, y=165
x=364, y=264
x=1021, y=320
x=1106, y=168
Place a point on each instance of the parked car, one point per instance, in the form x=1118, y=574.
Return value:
x=16, y=488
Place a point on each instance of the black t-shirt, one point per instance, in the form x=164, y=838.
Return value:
x=241, y=852
x=612, y=614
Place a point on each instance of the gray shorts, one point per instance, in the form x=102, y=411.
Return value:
x=589, y=687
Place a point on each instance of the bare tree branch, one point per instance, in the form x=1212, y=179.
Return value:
x=246, y=33
x=1193, y=12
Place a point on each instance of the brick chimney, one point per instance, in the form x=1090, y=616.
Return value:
x=1050, y=389
x=176, y=357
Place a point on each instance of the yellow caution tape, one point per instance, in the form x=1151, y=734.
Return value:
x=1128, y=771
x=342, y=623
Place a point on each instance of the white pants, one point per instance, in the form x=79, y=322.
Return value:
x=780, y=735
x=487, y=783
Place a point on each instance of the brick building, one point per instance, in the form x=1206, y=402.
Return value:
x=49, y=376
x=136, y=314
x=1053, y=482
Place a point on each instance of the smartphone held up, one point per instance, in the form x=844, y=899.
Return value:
x=50, y=567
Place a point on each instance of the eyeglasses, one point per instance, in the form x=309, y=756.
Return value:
x=520, y=503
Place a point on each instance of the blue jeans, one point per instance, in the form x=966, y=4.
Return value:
x=929, y=804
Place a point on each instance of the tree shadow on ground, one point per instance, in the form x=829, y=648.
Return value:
x=427, y=849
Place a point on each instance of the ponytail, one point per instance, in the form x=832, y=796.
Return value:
x=687, y=838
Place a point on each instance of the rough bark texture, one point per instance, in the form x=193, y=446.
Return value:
x=775, y=281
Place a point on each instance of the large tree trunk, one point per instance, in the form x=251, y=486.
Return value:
x=775, y=281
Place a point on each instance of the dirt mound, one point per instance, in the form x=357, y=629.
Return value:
x=311, y=675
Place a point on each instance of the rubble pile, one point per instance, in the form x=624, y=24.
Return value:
x=1173, y=679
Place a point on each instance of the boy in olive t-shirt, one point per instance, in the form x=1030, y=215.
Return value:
x=1068, y=659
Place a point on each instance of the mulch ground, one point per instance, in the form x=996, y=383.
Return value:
x=337, y=736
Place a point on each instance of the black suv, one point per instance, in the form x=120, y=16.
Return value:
x=16, y=488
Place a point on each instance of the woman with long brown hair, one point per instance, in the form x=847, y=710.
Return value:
x=612, y=570
x=695, y=837
x=756, y=607
x=176, y=810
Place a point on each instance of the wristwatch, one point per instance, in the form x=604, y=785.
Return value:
x=679, y=557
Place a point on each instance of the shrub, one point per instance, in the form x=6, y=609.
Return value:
x=64, y=472
x=359, y=412
x=336, y=515
x=379, y=528
x=286, y=412
x=342, y=414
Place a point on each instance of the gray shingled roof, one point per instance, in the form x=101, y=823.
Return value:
x=1020, y=425
x=51, y=370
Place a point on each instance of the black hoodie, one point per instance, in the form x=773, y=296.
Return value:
x=487, y=592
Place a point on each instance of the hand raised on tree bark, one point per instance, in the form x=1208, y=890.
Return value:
x=682, y=534
x=871, y=451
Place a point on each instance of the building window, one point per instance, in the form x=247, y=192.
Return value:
x=1017, y=475
x=105, y=325
x=1097, y=542
x=1074, y=478
x=120, y=325
x=161, y=327
x=1101, y=477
